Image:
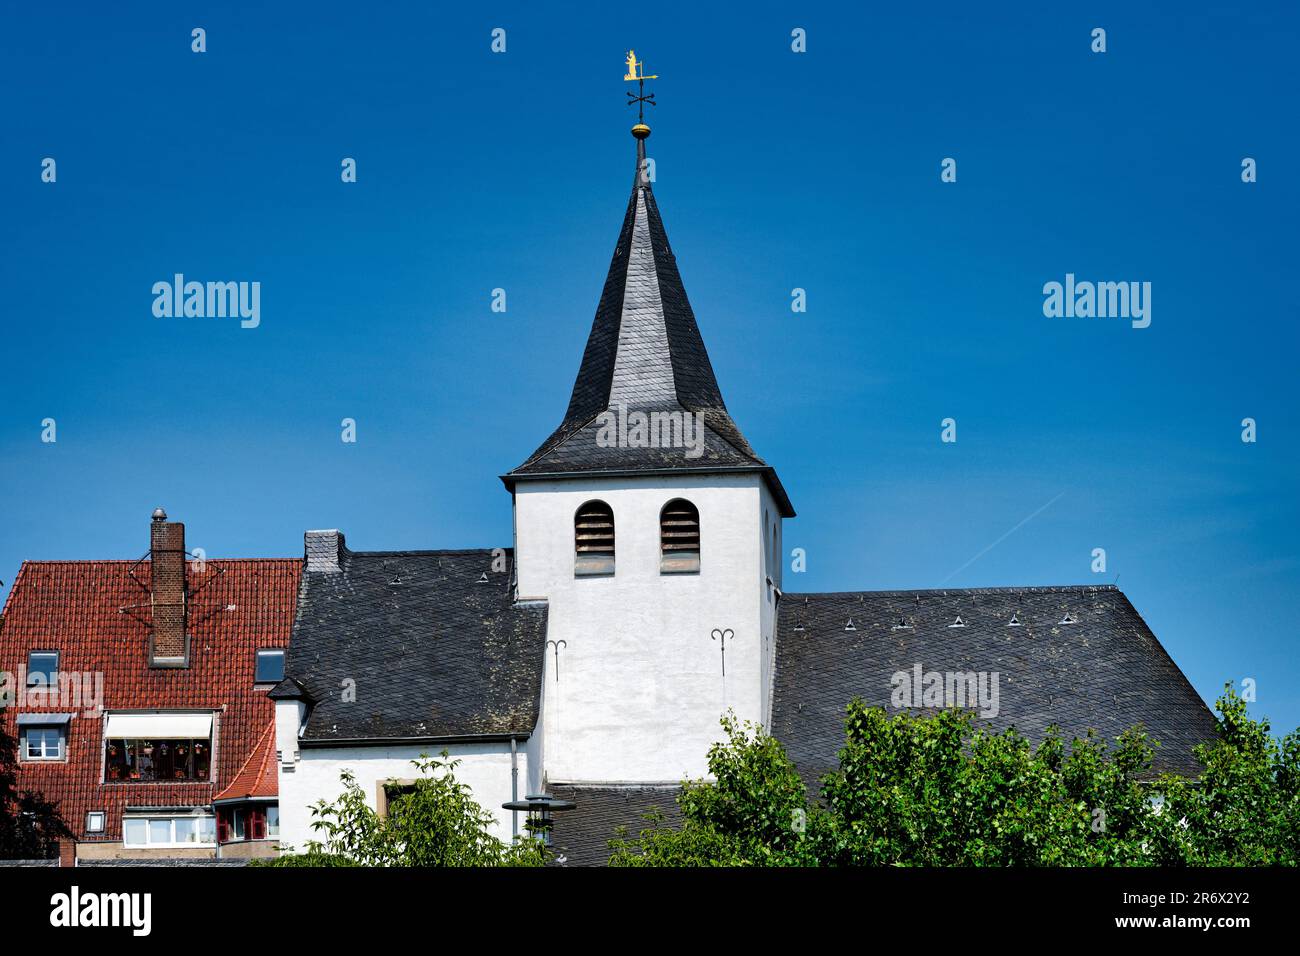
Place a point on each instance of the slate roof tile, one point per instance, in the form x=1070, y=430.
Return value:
x=417, y=645
x=582, y=834
x=1106, y=671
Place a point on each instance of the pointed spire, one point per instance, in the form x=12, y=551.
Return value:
x=645, y=356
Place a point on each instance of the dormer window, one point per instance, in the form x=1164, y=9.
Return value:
x=43, y=736
x=679, y=538
x=593, y=539
x=158, y=747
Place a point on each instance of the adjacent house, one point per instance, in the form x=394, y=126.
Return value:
x=137, y=691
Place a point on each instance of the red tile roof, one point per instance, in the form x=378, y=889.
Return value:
x=96, y=615
x=257, y=777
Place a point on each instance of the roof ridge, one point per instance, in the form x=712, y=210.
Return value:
x=1001, y=589
x=146, y=560
x=431, y=552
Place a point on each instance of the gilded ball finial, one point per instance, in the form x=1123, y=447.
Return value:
x=640, y=131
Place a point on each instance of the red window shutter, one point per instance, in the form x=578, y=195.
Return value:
x=258, y=824
x=223, y=827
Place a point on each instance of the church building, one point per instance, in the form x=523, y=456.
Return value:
x=642, y=598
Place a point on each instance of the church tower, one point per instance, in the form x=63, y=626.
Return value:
x=653, y=530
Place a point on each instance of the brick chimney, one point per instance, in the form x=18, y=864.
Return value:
x=168, y=644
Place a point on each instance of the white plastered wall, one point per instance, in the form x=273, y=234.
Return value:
x=484, y=767
x=640, y=686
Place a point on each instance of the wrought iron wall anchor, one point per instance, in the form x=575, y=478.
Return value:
x=722, y=637
x=557, y=645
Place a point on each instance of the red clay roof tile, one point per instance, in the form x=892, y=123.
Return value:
x=96, y=615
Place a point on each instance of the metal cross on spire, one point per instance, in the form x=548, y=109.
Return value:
x=636, y=73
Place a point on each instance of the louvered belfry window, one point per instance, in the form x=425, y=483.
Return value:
x=593, y=539
x=679, y=537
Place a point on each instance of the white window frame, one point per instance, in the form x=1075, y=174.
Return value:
x=272, y=833
x=60, y=729
x=149, y=844
x=103, y=821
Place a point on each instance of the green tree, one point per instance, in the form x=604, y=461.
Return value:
x=433, y=822
x=755, y=812
x=1244, y=808
x=932, y=790
x=30, y=825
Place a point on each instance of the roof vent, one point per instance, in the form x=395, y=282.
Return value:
x=902, y=624
x=798, y=627
x=850, y=626
x=1069, y=619
x=958, y=623
x=483, y=579
x=1015, y=620
x=159, y=514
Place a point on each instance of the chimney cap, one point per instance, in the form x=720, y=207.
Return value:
x=159, y=514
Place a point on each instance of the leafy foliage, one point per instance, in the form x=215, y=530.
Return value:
x=755, y=814
x=931, y=790
x=30, y=825
x=310, y=858
x=1245, y=808
x=433, y=822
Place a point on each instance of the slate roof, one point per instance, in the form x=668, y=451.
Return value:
x=644, y=354
x=433, y=640
x=89, y=611
x=1106, y=671
x=582, y=834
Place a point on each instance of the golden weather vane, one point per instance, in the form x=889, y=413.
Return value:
x=636, y=74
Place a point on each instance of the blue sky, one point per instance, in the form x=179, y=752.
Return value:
x=775, y=170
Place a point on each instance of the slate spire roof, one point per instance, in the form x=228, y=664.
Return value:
x=644, y=354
